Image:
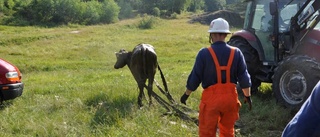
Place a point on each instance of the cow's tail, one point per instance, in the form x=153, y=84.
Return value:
x=164, y=82
x=163, y=79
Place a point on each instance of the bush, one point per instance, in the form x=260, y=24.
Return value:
x=147, y=22
x=174, y=15
x=9, y=20
x=156, y=12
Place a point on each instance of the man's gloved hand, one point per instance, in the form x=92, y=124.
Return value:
x=184, y=98
x=248, y=100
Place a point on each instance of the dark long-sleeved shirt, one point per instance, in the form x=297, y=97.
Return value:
x=204, y=70
x=306, y=123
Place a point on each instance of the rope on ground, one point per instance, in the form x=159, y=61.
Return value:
x=173, y=107
x=166, y=93
x=176, y=111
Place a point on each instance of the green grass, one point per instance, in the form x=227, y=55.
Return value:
x=72, y=89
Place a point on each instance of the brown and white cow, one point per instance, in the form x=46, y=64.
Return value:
x=142, y=62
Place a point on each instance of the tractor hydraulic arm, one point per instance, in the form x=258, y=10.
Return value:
x=306, y=18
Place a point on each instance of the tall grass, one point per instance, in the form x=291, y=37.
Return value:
x=72, y=89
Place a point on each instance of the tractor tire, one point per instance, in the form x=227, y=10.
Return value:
x=294, y=79
x=252, y=60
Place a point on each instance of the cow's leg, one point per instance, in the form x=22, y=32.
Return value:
x=141, y=94
x=141, y=84
x=150, y=84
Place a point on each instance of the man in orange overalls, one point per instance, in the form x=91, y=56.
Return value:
x=219, y=68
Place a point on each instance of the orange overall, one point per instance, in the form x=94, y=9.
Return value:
x=219, y=104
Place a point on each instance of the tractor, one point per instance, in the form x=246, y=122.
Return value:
x=280, y=41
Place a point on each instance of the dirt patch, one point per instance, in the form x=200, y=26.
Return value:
x=234, y=19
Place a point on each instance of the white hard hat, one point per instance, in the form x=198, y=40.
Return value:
x=219, y=25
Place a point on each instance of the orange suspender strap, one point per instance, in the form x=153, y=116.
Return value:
x=229, y=65
x=220, y=68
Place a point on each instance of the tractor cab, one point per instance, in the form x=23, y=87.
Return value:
x=266, y=22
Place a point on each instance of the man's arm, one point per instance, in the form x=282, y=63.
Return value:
x=246, y=92
x=188, y=92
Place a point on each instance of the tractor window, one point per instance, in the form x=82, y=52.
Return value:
x=262, y=19
x=285, y=16
x=256, y=24
x=263, y=25
x=248, y=14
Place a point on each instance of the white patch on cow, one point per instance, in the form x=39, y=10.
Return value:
x=149, y=47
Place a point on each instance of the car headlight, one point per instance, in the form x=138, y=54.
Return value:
x=12, y=76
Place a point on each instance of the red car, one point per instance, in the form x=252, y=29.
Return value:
x=11, y=85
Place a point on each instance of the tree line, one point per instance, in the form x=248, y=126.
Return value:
x=89, y=12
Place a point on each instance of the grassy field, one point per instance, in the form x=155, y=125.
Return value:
x=72, y=89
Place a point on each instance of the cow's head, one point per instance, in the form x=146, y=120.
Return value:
x=122, y=57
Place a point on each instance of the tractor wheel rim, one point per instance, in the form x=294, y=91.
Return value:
x=293, y=87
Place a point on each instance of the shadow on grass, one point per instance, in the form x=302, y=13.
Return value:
x=109, y=110
x=5, y=104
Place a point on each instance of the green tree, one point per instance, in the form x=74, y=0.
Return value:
x=7, y=7
x=171, y=6
x=92, y=12
x=67, y=11
x=110, y=12
x=2, y=7
x=196, y=5
x=179, y=5
x=10, y=4
x=125, y=9
x=214, y=5
x=232, y=1
x=20, y=4
x=56, y=12
x=41, y=11
x=136, y=4
x=148, y=5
